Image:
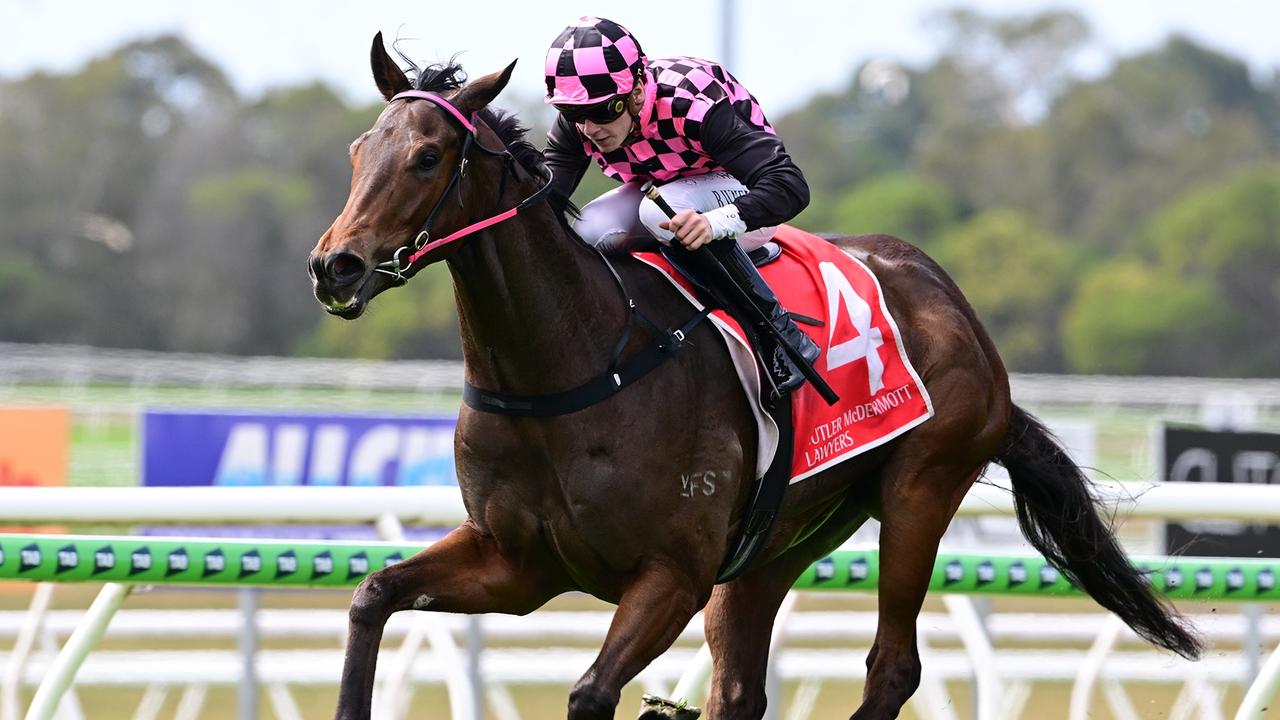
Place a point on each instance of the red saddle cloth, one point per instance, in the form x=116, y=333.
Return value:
x=862, y=358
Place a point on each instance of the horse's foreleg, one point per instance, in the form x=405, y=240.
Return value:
x=651, y=613
x=463, y=572
x=916, y=508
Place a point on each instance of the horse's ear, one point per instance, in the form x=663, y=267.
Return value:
x=390, y=78
x=475, y=95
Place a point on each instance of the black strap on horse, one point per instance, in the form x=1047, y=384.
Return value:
x=610, y=382
x=766, y=497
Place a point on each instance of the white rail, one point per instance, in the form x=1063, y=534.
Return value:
x=442, y=506
x=1153, y=501
x=431, y=506
x=564, y=665
x=79, y=645
x=572, y=626
x=77, y=365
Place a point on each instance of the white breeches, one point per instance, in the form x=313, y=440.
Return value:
x=623, y=219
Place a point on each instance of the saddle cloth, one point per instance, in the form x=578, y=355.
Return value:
x=863, y=359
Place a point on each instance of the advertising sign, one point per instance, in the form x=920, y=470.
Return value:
x=1204, y=456
x=248, y=449
x=34, y=450
x=206, y=448
x=33, y=446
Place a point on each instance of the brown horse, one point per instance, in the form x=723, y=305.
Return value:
x=593, y=500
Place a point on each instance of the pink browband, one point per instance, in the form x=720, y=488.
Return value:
x=419, y=94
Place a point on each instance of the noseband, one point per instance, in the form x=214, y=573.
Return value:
x=422, y=242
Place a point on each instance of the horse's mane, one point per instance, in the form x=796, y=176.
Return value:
x=450, y=76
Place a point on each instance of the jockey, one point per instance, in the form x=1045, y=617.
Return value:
x=689, y=126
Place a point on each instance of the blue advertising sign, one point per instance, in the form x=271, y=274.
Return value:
x=208, y=448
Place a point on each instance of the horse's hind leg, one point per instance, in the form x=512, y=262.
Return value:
x=916, y=506
x=463, y=572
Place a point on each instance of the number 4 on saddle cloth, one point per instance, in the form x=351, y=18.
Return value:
x=862, y=358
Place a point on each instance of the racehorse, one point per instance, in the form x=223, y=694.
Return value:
x=592, y=500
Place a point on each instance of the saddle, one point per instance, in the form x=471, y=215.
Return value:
x=765, y=254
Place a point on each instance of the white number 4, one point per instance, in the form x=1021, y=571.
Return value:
x=867, y=343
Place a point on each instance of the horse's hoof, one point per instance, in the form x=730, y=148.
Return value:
x=656, y=708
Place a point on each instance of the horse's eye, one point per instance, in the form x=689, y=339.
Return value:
x=427, y=160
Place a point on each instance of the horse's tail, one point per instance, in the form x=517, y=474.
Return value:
x=1059, y=516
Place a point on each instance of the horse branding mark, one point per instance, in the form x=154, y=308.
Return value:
x=699, y=483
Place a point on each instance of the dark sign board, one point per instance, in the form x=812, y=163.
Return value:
x=1205, y=456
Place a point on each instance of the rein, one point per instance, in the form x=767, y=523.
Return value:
x=422, y=242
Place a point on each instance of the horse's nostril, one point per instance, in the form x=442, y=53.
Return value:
x=345, y=267
x=315, y=264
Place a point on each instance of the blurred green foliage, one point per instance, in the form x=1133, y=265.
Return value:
x=901, y=204
x=1128, y=318
x=1124, y=221
x=1017, y=276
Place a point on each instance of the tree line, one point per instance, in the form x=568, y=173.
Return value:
x=1124, y=222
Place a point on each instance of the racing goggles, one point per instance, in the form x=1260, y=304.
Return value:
x=601, y=113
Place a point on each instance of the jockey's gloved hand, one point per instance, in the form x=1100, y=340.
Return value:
x=693, y=229
x=725, y=222
x=688, y=228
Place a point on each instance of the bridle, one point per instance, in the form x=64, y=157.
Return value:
x=422, y=242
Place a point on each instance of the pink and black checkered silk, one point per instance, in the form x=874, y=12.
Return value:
x=668, y=145
x=591, y=61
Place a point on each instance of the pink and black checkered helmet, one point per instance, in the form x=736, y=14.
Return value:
x=593, y=60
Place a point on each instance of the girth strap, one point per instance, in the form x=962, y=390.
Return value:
x=766, y=498
x=589, y=393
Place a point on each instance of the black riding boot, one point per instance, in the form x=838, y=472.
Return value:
x=786, y=376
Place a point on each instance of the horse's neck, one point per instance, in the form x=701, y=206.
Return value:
x=538, y=312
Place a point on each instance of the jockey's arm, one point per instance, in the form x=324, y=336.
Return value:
x=777, y=190
x=565, y=156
